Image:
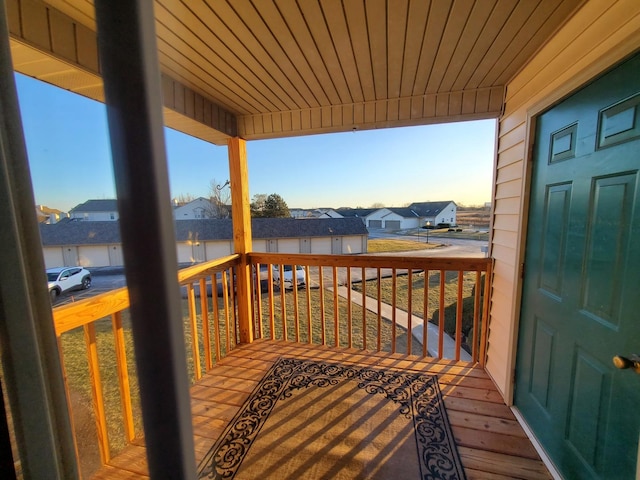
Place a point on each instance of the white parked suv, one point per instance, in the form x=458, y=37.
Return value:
x=66, y=279
x=301, y=277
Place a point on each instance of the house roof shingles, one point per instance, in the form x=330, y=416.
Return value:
x=102, y=205
x=429, y=209
x=404, y=212
x=70, y=232
x=356, y=212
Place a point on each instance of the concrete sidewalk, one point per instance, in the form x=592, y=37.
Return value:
x=417, y=324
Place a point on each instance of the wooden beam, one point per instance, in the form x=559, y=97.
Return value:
x=241, y=213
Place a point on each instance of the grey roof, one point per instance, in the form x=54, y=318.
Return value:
x=404, y=212
x=430, y=209
x=79, y=232
x=311, y=227
x=73, y=232
x=356, y=212
x=107, y=205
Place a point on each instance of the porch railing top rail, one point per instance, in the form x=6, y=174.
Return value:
x=83, y=312
x=374, y=261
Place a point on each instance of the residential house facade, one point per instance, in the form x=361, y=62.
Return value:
x=49, y=215
x=393, y=219
x=195, y=209
x=416, y=215
x=434, y=213
x=102, y=210
x=314, y=213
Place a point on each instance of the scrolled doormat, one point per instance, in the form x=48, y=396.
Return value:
x=309, y=419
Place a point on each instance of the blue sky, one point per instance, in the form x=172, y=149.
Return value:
x=69, y=155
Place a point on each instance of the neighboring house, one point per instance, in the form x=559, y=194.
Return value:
x=434, y=213
x=103, y=210
x=361, y=213
x=195, y=209
x=298, y=212
x=393, y=219
x=97, y=244
x=49, y=215
x=314, y=213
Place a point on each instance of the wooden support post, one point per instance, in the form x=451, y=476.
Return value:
x=242, y=243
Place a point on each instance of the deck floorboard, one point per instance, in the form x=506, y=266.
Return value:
x=491, y=442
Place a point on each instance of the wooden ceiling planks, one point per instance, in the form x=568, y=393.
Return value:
x=188, y=55
x=340, y=35
x=435, y=26
x=306, y=47
x=293, y=67
x=552, y=11
x=518, y=17
x=500, y=12
x=467, y=40
x=222, y=46
x=315, y=19
x=396, y=46
x=417, y=15
x=259, y=40
x=357, y=25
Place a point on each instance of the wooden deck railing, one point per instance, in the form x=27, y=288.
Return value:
x=376, y=303
x=99, y=326
x=419, y=306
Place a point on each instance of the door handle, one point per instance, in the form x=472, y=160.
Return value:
x=623, y=362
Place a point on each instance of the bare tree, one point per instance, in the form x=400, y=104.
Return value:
x=220, y=199
x=183, y=199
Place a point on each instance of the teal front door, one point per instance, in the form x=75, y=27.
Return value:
x=581, y=293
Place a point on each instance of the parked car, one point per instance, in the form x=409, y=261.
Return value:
x=66, y=279
x=301, y=277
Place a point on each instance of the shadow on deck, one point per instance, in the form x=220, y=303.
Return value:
x=490, y=441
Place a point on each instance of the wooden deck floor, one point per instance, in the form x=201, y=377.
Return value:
x=491, y=443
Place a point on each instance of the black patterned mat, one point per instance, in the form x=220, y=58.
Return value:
x=412, y=396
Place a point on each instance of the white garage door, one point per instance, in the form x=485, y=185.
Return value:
x=93, y=256
x=53, y=257
x=375, y=223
